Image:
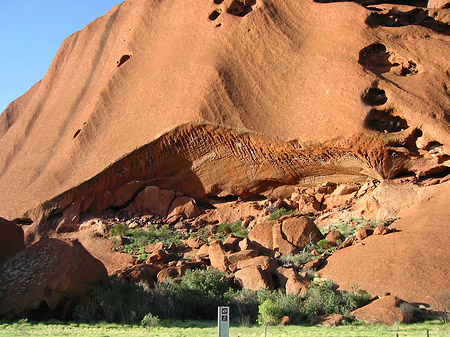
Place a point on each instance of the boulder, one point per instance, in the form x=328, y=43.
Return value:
x=242, y=255
x=385, y=310
x=308, y=204
x=336, y=201
x=126, y=192
x=246, y=243
x=183, y=207
x=329, y=320
x=194, y=243
x=48, y=279
x=381, y=230
x=232, y=243
x=292, y=281
x=11, y=239
x=153, y=200
x=70, y=217
x=299, y=230
x=157, y=257
x=280, y=244
x=261, y=236
x=316, y=264
x=153, y=247
x=253, y=278
x=263, y=262
x=171, y=273
x=285, y=320
x=140, y=273
x=334, y=236
x=363, y=233
x=217, y=256
x=203, y=251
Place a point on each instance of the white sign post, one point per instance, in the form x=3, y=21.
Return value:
x=223, y=321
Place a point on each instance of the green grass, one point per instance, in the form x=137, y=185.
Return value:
x=208, y=328
x=280, y=212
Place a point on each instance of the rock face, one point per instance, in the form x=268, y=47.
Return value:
x=47, y=279
x=190, y=142
x=11, y=239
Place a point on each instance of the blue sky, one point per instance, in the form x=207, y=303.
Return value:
x=31, y=32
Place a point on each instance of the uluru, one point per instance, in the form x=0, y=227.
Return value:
x=194, y=114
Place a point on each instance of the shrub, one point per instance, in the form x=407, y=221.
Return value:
x=269, y=314
x=289, y=304
x=138, y=239
x=149, y=321
x=297, y=259
x=321, y=299
x=354, y=300
x=243, y=305
x=225, y=229
x=115, y=301
x=280, y=212
x=442, y=304
x=196, y=296
x=408, y=311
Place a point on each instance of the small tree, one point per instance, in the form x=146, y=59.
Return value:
x=269, y=314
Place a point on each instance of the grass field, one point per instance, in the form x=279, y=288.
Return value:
x=200, y=329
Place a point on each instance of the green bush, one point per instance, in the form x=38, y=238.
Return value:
x=321, y=299
x=280, y=212
x=289, y=304
x=115, y=301
x=138, y=239
x=149, y=321
x=196, y=296
x=354, y=300
x=269, y=314
x=244, y=305
x=225, y=229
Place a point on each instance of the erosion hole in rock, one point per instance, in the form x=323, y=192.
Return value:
x=433, y=145
x=374, y=97
x=214, y=15
x=241, y=7
x=409, y=69
x=42, y=312
x=123, y=59
x=436, y=173
x=405, y=174
x=416, y=16
x=218, y=2
x=384, y=121
x=419, y=3
x=214, y=199
x=77, y=133
x=443, y=158
x=376, y=58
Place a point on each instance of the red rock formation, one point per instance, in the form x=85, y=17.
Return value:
x=194, y=146
x=258, y=96
x=48, y=278
x=386, y=310
x=11, y=239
